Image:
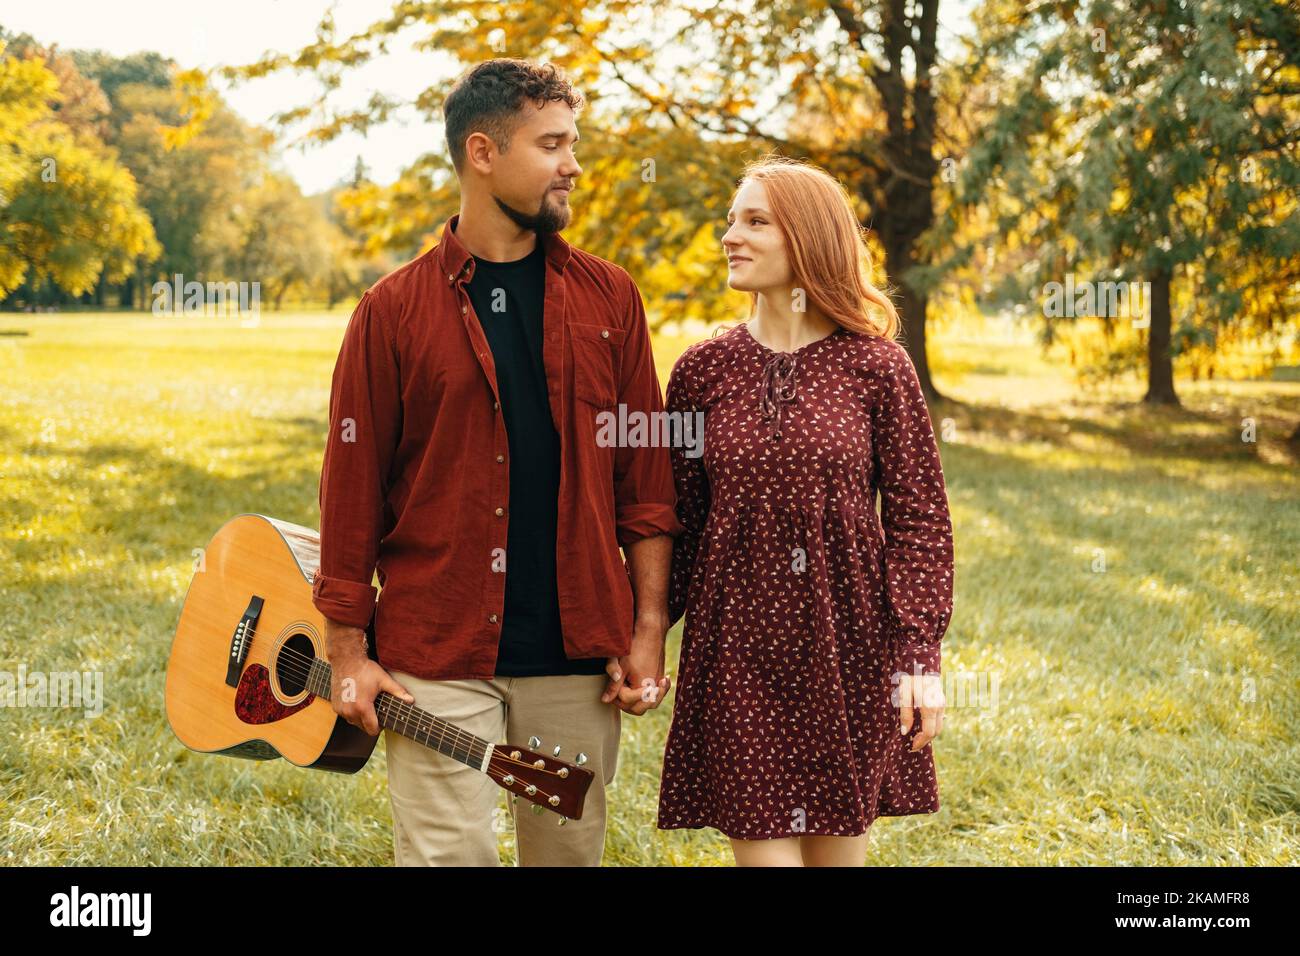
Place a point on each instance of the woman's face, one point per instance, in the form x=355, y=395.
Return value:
x=756, y=255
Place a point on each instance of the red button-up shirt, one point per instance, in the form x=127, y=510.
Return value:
x=415, y=479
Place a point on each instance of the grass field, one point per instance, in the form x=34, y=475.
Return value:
x=1126, y=581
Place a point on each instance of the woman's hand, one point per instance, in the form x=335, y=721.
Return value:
x=637, y=682
x=926, y=692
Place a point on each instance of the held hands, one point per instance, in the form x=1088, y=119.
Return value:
x=637, y=682
x=926, y=692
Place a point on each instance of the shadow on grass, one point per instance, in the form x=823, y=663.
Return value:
x=1145, y=430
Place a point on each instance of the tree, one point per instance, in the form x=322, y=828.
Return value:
x=68, y=209
x=694, y=92
x=192, y=189
x=1153, y=140
x=284, y=242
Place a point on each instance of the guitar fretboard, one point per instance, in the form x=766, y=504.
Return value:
x=410, y=721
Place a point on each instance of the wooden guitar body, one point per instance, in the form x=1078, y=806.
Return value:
x=248, y=675
x=270, y=712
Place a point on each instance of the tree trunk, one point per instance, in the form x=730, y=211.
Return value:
x=912, y=304
x=916, y=341
x=900, y=191
x=1160, y=364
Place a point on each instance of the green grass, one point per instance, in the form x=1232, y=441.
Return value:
x=1146, y=713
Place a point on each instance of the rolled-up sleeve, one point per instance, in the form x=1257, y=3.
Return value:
x=644, y=497
x=364, y=428
x=914, y=516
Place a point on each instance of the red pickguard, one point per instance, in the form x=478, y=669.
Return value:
x=255, y=703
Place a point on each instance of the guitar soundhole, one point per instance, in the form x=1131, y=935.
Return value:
x=293, y=663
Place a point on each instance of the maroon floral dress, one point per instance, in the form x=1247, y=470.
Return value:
x=800, y=600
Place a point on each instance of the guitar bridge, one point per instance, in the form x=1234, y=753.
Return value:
x=242, y=641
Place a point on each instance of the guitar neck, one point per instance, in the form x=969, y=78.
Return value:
x=412, y=722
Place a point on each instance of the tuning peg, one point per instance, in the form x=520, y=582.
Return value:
x=563, y=821
x=537, y=810
x=582, y=758
x=534, y=743
x=556, y=751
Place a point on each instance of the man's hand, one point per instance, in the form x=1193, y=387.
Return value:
x=355, y=679
x=924, y=691
x=637, y=682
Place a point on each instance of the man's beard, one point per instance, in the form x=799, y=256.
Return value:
x=548, y=219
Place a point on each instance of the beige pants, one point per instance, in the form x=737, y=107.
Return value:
x=447, y=814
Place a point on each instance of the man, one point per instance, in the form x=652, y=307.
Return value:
x=463, y=441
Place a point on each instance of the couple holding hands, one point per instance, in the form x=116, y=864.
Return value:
x=463, y=466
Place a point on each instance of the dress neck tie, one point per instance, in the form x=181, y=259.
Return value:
x=778, y=388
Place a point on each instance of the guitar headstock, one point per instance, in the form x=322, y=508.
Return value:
x=548, y=782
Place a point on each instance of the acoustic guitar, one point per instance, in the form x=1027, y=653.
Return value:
x=247, y=675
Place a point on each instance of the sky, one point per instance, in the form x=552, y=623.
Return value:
x=208, y=35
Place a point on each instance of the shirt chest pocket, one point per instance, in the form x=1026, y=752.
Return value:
x=597, y=353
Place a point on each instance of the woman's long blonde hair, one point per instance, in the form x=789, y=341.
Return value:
x=826, y=244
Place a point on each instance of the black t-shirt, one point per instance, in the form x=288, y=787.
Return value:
x=508, y=297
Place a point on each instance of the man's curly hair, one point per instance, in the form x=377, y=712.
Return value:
x=489, y=98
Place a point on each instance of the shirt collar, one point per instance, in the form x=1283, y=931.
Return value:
x=454, y=259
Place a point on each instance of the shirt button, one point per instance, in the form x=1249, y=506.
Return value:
x=604, y=333
x=496, y=405
x=493, y=619
x=450, y=277
x=463, y=310
x=500, y=512
x=501, y=457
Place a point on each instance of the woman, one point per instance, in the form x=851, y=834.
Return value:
x=812, y=623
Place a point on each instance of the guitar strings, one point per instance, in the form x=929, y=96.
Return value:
x=424, y=719
x=297, y=659
x=459, y=737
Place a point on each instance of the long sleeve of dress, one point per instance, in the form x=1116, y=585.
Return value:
x=691, y=481
x=914, y=516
